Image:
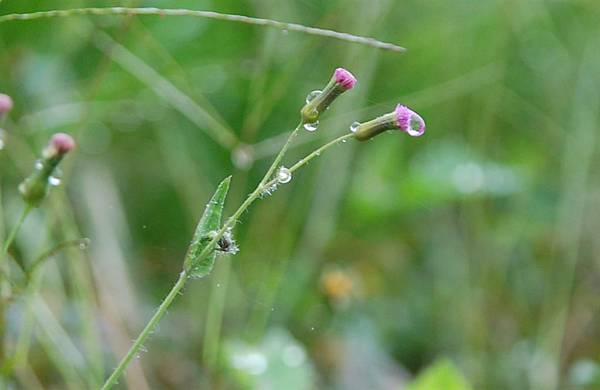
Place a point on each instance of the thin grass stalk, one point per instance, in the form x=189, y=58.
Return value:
x=209, y=15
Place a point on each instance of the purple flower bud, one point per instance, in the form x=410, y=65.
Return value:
x=409, y=121
x=6, y=104
x=319, y=101
x=402, y=118
x=344, y=78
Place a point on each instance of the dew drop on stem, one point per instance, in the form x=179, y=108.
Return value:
x=54, y=181
x=354, y=126
x=311, y=126
x=312, y=95
x=284, y=175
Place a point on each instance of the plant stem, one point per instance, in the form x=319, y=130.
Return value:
x=148, y=329
x=206, y=14
x=318, y=151
x=184, y=274
x=312, y=155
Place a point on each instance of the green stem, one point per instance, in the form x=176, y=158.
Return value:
x=148, y=329
x=317, y=152
x=110, y=382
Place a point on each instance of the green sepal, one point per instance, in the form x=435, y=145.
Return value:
x=210, y=222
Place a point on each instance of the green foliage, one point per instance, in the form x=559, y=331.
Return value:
x=477, y=241
x=209, y=223
x=442, y=375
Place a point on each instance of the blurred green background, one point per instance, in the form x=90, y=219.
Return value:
x=472, y=251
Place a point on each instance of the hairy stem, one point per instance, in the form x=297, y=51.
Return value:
x=206, y=14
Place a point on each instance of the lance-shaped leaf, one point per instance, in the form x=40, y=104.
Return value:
x=209, y=223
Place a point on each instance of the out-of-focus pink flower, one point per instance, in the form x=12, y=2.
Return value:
x=62, y=143
x=6, y=103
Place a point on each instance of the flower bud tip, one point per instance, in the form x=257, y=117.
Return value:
x=345, y=78
x=6, y=103
x=62, y=143
x=409, y=121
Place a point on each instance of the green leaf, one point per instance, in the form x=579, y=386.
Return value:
x=443, y=374
x=211, y=221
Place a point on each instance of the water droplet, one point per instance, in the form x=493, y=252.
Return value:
x=311, y=126
x=144, y=227
x=54, y=181
x=312, y=95
x=83, y=244
x=354, y=126
x=344, y=141
x=284, y=175
x=218, y=284
x=39, y=165
x=415, y=128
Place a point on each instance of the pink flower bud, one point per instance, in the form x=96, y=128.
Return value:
x=6, y=103
x=62, y=143
x=344, y=78
x=319, y=101
x=409, y=121
x=402, y=118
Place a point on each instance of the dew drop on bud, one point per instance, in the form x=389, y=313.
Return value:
x=415, y=128
x=354, y=126
x=311, y=126
x=284, y=175
x=53, y=181
x=312, y=95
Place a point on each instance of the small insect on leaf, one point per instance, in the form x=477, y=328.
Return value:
x=209, y=223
